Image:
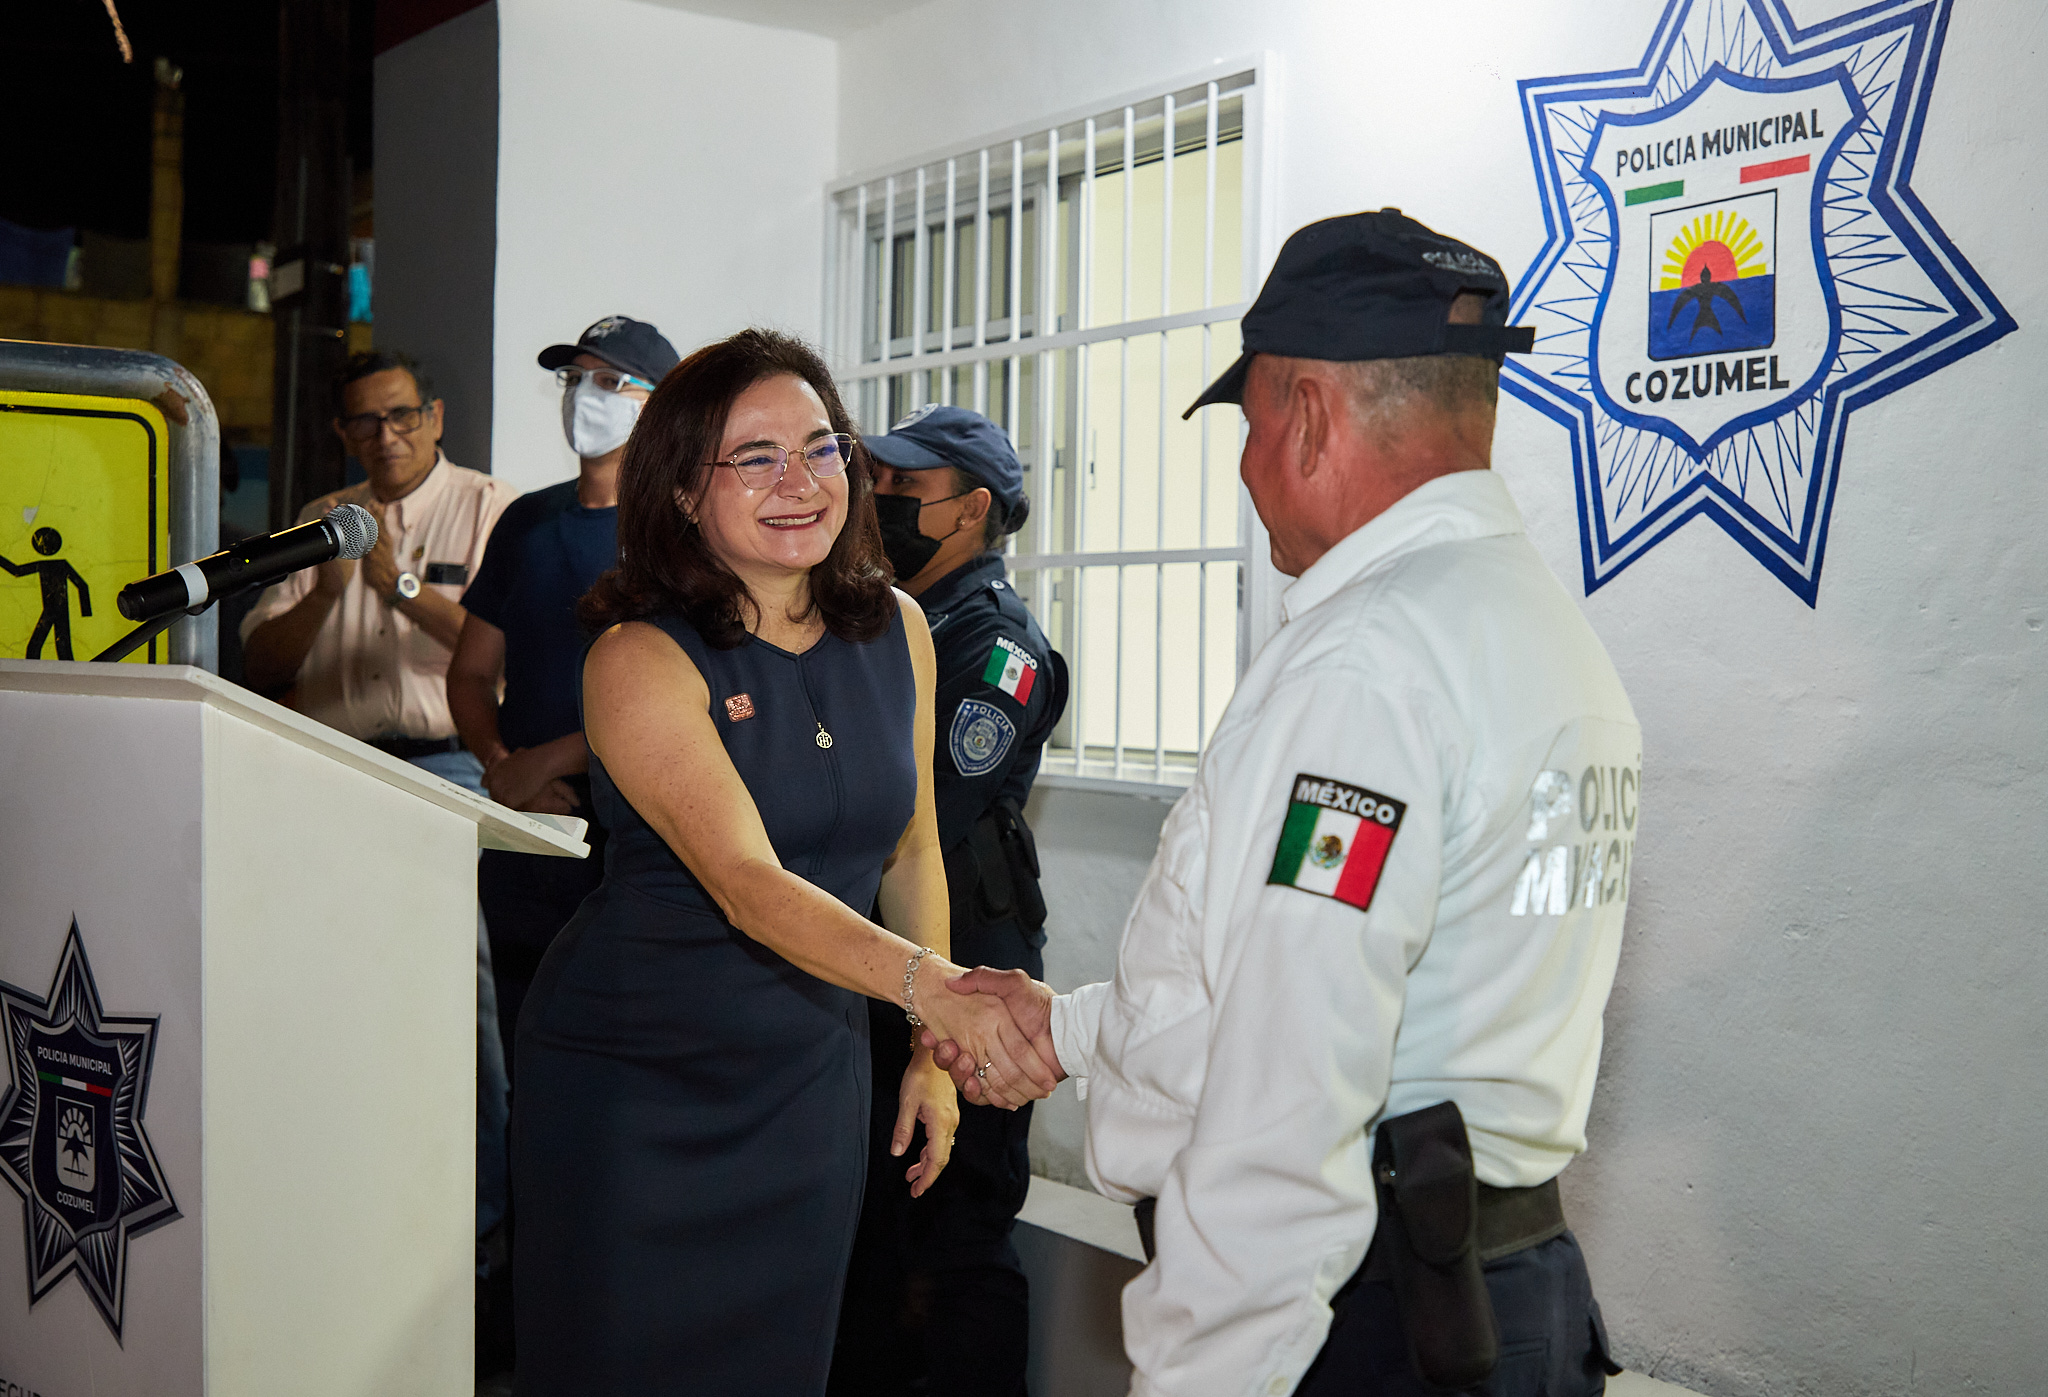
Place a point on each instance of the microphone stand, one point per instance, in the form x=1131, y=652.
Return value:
x=144, y=633
x=150, y=630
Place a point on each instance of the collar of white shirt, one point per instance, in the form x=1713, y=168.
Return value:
x=1462, y=505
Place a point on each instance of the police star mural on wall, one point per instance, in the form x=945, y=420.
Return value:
x=71, y=1137
x=1735, y=263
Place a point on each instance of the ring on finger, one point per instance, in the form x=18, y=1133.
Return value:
x=982, y=1071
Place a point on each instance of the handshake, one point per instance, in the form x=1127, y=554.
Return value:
x=993, y=1035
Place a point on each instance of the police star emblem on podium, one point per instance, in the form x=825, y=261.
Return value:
x=72, y=1142
x=1735, y=262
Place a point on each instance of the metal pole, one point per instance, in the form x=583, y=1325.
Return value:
x=1208, y=336
x=865, y=409
x=1084, y=453
x=1013, y=302
x=312, y=215
x=952, y=241
x=981, y=283
x=1123, y=421
x=921, y=298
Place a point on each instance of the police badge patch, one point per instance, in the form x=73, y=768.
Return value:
x=980, y=736
x=1735, y=262
x=71, y=1137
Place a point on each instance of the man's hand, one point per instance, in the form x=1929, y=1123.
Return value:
x=518, y=776
x=332, y=577
x=380, y=565
x=531, y=778
x=1030, y=1004
x=555, y=798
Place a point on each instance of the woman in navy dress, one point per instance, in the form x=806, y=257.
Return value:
x=688, y=1143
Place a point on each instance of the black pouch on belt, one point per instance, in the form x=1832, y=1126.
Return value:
x=996, y=867
x=1020, y=855
x=1428, y=1238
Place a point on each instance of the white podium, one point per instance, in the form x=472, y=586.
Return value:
x=238, y=983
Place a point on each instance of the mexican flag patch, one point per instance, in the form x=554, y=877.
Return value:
x=1336, y=839
x=1010, y=670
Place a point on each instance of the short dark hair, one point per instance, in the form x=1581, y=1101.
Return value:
x=362, y=364
x=665, y=566
x=995, y=525
x=1449, y=383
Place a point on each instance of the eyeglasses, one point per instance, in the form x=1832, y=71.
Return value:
x=611, y=380
x=364, y=425
x=762, y=466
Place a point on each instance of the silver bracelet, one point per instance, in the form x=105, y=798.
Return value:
x=909, y=979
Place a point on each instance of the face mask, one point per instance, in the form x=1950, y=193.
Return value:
x=909, y=548
x=596, y=422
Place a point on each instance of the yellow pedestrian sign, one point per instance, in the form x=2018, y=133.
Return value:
x=84, y=510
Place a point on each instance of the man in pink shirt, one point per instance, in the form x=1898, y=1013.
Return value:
x=366, y=645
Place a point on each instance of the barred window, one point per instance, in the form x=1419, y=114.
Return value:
x=1080, y=285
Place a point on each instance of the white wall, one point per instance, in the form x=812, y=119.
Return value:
x=653, y=163
x=1093, y=849
x=1815, y=1153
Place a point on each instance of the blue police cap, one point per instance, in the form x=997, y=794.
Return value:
x=1371, y=286
x=935, y=435
x=628, y=345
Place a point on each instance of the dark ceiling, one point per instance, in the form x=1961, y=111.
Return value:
x=78, y=120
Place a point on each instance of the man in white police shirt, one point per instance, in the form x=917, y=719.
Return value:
x=948, y=491
x=1370, y=959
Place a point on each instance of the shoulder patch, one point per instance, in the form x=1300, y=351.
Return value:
x=1335, y=839
x=980, y=736
x=1011, y=668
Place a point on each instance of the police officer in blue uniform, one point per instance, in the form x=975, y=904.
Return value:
x=936, y=1300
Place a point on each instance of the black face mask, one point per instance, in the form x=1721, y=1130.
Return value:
x=908, y=547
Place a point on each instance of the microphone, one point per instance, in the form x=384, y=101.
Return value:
x=346, y=531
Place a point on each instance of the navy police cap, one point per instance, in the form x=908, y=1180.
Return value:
x=628, y=345
x=936, y=435
x=1371, y=286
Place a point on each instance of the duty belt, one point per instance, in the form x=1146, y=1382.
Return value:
x=1510, y=1219
x=411, y=748
x=1516, y=1219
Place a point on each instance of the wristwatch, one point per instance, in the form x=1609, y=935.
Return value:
x=408, y=587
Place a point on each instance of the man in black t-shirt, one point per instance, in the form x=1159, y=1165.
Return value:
x=521, y=628
x=550, y=546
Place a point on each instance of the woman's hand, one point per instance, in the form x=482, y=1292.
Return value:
x=926, y=1095
x=1010, y=1069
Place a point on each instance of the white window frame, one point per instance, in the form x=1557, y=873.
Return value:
x=858, y=277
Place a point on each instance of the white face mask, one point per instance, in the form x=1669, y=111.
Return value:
x=597, y=422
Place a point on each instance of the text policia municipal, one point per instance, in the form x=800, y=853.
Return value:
x=1763, y=134
x=1590, y=872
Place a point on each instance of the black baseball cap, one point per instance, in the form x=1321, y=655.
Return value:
x=628, y=345
x=935, y=435
x=1371, y=286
